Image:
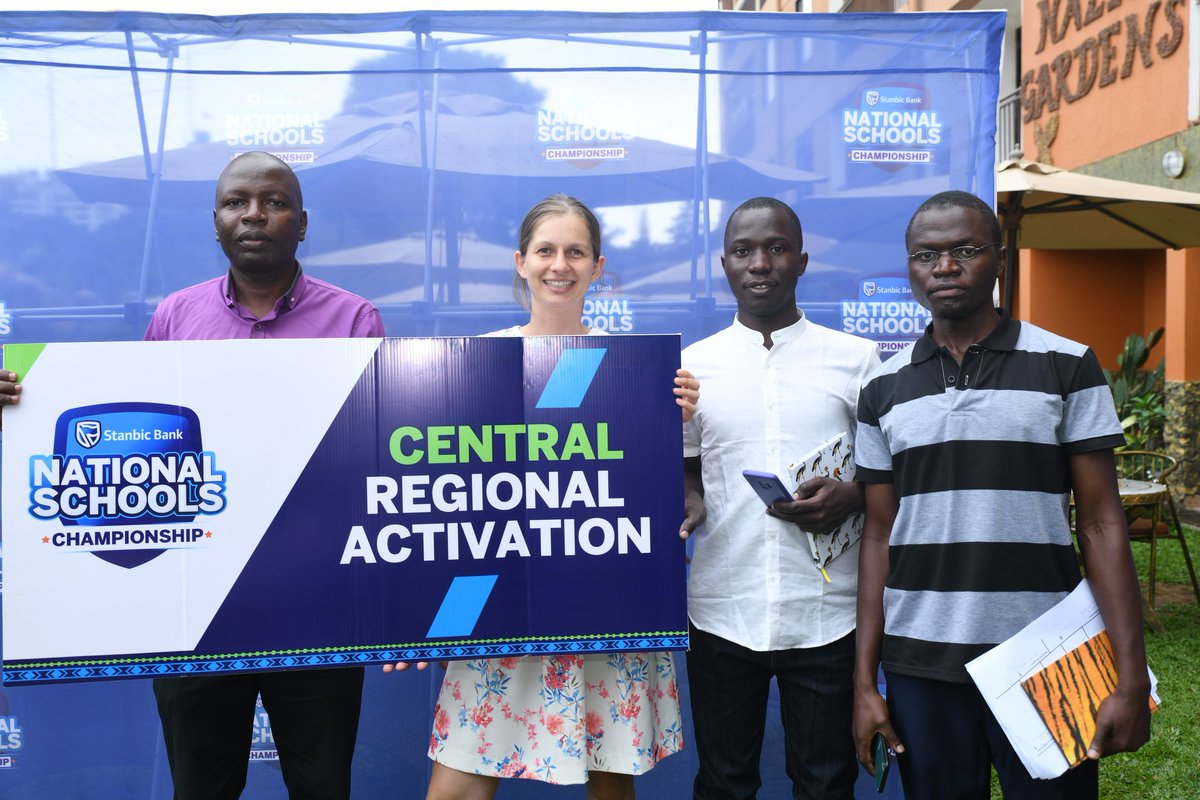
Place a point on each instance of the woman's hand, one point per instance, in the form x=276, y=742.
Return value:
x=687, y=392
x=400, y=666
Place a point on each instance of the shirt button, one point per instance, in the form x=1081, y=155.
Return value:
x=258, y=326
x=951, y=379
x=773, y=579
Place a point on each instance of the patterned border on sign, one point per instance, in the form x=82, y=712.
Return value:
x=166, y=667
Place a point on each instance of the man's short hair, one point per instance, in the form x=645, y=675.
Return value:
x=274, y=160
x=771, y=204
x=956, y=199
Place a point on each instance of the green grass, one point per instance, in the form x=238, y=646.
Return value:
x=1168, y=767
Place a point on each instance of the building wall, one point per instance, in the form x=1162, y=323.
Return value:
x=1105, y=91
x=1102, y=77
x=1071, y=293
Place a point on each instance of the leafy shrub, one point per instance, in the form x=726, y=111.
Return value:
x=1138, y=392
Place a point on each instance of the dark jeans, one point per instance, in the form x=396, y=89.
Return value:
x=729, y=687
x=208, y=722
x=951, y=741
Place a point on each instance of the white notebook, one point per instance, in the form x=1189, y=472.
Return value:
x=832, y=459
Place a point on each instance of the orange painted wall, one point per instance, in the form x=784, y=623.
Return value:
x=1154, y=294
x=1145, y=106
x=1097, y=297
x=1183, y=314
x=1154, y=302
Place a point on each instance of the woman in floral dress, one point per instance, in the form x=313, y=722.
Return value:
x=597, y=719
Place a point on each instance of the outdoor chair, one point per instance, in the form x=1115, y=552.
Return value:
x=1147, y=465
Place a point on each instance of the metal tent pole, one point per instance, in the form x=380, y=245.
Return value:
x=428, y=154
x=1013, y=211
x=153, y=170
x=700, y=206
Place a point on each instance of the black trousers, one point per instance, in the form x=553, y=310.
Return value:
x=208, y=722
x=729, y=686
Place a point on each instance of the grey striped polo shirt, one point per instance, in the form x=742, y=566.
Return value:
x=978, y=455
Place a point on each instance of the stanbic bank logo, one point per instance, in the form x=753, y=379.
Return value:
x=87, y=433
x=124, y=480
x=886, y=312
x=893, y=124
x=885, y=288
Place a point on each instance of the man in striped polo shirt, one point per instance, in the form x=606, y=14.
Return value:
x=969, y=443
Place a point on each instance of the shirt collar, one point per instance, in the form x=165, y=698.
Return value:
x=1003, y=337
x=288, y=301
x=790, y=333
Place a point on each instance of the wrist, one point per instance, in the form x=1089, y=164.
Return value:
x=866, y=680
x=1133, y=688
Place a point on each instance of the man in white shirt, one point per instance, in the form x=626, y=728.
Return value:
x=776, y=386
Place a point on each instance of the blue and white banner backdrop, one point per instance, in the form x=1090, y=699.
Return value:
x=420, y=140
x=423, y=499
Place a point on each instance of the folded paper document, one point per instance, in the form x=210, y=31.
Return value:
x=1045, y=683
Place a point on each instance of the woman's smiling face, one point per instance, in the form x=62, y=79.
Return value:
x=559, y=263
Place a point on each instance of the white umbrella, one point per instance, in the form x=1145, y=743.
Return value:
x=1054, y=209
x=1047, y=208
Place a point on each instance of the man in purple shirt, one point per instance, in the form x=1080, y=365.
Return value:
x=207, y=721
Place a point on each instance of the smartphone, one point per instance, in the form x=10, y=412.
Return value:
x=767, y=486
x=881, y=756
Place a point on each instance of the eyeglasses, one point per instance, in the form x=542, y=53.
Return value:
x=961, y=254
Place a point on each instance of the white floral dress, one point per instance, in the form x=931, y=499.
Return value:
x=554, y=718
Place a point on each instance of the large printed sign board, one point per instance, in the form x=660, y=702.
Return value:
x=181, y=507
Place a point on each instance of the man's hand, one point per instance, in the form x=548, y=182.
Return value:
x=694, y=513
x=1123, y=719
x=820, y=504
x=1122, y=723
x=693, y=496
x=10, y=390
x=871, y=715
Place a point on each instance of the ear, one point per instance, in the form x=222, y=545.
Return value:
x=597, y=270
x=1001, y=260
x=216, y=231
x=303, y=223
x=801, y=264
x=519, y=260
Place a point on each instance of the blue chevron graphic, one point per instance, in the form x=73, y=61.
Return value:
x=571, y=378
x=462, y=605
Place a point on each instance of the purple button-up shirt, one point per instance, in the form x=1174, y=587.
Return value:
x=311, y=309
